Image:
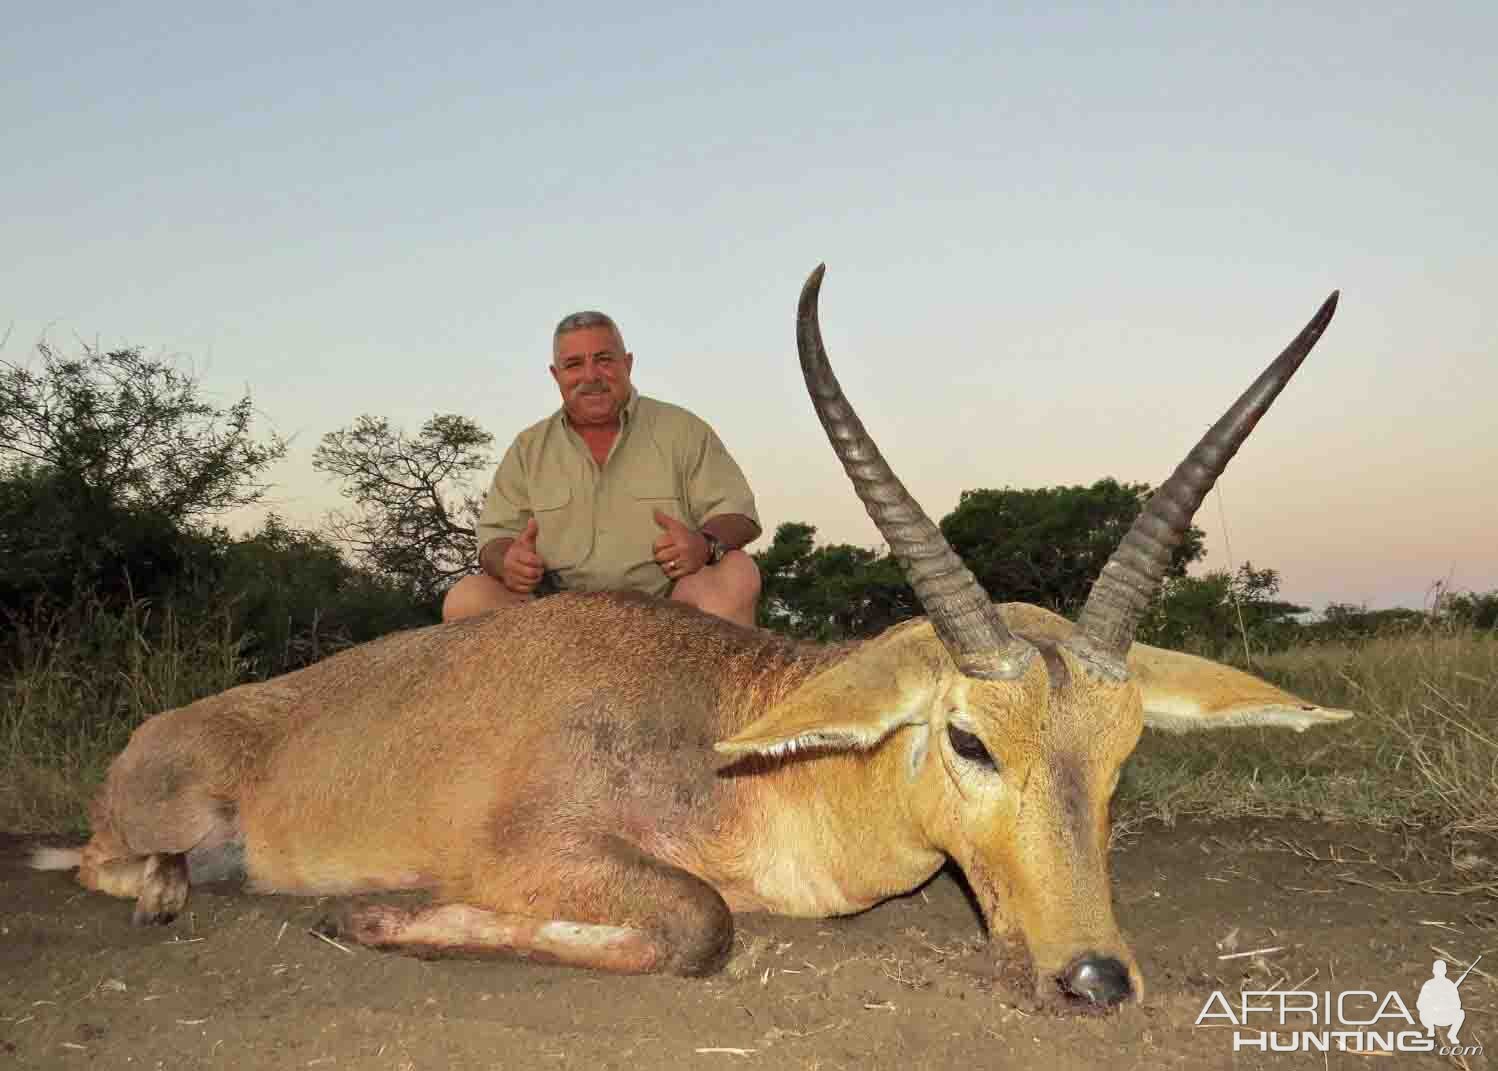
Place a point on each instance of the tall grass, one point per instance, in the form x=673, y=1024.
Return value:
x=79, y=683
x=1423, y=751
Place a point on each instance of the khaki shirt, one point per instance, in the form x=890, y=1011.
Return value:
x=595, y=525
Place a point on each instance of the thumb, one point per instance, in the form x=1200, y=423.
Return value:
x=666, y=521
x=528, y=537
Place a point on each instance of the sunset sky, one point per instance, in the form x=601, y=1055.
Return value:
x=1059, y=240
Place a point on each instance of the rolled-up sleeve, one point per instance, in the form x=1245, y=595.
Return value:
x=715, y=484
x=507, y=506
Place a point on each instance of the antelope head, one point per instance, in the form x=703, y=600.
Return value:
x=998, y=732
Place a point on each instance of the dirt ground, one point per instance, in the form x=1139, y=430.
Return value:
x=241, y=982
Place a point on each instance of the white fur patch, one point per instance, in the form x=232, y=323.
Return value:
x=55, y=858
x=823, y=738
x=1183, y=717
x=858, y=733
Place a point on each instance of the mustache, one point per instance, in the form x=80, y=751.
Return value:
x=592, y=388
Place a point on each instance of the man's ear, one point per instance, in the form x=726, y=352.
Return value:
x=852, y=705
x=1183, y=693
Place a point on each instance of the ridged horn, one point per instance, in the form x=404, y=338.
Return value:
x=1135, y=571
x=956, y=604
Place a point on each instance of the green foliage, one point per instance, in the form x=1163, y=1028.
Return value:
x=112, y=464
x=1348, y=622
x=1342, y=622
x=1047, y=545
x=1043, y=546
x=1469, y=608
x=414, y=514
x=293, y=599
x=109, y=465
x=833, y=592
x=133, y=428
x=1220, y=615
x=79, y=681
x=61, y=539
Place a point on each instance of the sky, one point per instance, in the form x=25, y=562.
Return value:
x=1059, y=239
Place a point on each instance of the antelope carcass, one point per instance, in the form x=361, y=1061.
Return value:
x=603, y=779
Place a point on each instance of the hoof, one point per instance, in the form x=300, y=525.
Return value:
x=336, y=924
x=163, y=890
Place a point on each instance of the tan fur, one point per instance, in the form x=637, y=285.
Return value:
x=550, y=773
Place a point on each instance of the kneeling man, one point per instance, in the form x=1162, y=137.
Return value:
x=614, y=491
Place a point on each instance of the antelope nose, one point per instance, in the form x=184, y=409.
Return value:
x=1100, y=980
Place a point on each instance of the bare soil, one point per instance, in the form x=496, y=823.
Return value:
x=241, y=982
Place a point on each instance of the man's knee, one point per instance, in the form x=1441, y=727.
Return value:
x=729, y=589
x=477, y=594
x=740, y=574
x=734, y=579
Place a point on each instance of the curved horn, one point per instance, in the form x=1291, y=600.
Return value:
x=1132, y=576
x=960, y=610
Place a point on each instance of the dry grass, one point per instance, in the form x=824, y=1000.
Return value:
x=1423, y=752
x=80, y=684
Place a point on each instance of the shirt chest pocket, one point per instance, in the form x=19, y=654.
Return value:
x=564, y=528
x=649, y=495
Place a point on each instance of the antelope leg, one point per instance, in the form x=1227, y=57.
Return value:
x=613, y=909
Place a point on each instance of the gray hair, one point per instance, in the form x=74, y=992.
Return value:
x=588, y=318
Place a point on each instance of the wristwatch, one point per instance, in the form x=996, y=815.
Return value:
x=715, y=548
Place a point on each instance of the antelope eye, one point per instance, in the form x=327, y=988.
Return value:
x=969, y=747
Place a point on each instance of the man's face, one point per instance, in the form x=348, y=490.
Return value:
x=592, y=372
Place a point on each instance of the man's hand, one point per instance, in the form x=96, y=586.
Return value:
x=678, y=550
x=523, y=565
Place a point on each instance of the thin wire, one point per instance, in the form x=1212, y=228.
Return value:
x=1227, y=543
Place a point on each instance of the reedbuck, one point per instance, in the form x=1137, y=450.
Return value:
x=602, y=779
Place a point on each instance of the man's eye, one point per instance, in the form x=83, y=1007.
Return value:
x=969, y=747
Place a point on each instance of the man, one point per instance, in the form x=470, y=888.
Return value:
x=1440, y=1003
x=613, y=491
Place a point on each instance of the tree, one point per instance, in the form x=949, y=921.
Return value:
x=415, y=515
x=1047, y=545
x=833, y=592
x=132, y=428
x=1044, y=546
x=110, y=466
x=1473, y=609
x=1219, y=613
x=1343, y=621
x=293, y=598
x=59, y=540
x=782, y=575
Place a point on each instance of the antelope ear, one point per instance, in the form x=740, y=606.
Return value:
x=852, y=705
x=1183, y=693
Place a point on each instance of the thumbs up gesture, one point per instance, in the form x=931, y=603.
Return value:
x=678, y=549
x=523, y=565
